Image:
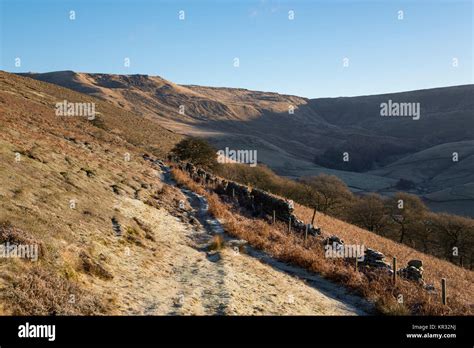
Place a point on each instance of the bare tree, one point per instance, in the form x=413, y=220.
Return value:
x=455, y=234
x=406, y=213
x=368, y=212
x=327, y=193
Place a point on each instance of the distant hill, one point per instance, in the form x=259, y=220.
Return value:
x=313, y=139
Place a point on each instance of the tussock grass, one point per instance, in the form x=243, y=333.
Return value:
x=145, y=228
x=42, y=292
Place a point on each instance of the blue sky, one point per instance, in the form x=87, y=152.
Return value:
x=303, y=56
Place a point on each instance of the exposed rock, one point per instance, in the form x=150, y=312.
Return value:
x=333, y=239
x=116, y=227
x=374, y=254
x=412, y=273
x=415, y=263
x=213, y=256
x=237, y=243
x=375, y=259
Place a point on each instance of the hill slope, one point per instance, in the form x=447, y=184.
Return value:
x=313, y=139
x=112, y=235
x=158, y=263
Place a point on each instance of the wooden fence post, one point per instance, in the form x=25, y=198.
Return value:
x=274, y=217
x=394, y=267
x=314, y=215
x=306, y=234
x=444, y=291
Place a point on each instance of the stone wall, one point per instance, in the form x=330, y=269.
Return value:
x=258, y=201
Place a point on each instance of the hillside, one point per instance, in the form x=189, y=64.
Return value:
x=115, y=239
x=312, y=140
x=228, y=200
x=112, y=235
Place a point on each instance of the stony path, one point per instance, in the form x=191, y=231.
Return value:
x=183, y=278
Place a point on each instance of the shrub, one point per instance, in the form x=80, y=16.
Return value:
x=197, y=151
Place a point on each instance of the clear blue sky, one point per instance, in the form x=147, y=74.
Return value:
x=302, y=57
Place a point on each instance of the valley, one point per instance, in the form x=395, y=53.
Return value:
x=312, y=138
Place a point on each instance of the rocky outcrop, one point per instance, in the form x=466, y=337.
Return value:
x=371, y=258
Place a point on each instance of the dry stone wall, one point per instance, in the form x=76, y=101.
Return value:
x=258, y=201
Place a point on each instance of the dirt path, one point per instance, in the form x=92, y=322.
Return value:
x=179, y=275
x=229, y=282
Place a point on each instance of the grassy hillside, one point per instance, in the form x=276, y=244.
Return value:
x=291, y=247
x=113, y=235
x=69, y=182
x=313, y=138
x=63, y=180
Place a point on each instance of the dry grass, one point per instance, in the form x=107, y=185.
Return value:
x=290, y=248
x=217, y=242
x=460, y=280
x=91, y=266
x=182, y=179
x=64, y=159
x=12, y=235
x=42, y=292
x=145, y=228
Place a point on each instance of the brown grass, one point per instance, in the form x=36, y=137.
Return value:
x=374, y=286
x=460, y=280
x=64, y=158
x=92, y=267
x=217, y=242
x=13, y=235
x=42, y=292
x=145, y=228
